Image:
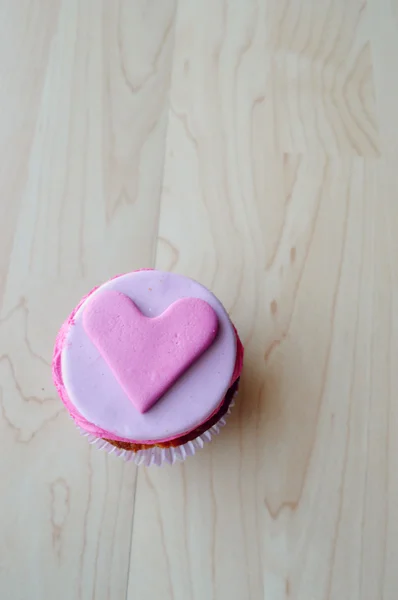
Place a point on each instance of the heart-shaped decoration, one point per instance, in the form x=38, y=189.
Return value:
x=147, y=355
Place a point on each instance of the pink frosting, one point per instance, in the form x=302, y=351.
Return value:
x=100, y=405
x=147, y=355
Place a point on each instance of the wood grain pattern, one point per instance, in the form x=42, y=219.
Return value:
x=251, y=145
x=270, y=165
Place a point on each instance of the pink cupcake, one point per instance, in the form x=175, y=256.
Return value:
x=147, y=365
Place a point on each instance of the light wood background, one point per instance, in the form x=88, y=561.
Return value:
x=253, y=145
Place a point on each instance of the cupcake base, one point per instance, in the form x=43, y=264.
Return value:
x=156, y=455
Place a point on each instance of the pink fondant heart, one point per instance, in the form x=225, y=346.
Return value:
x=147, y=355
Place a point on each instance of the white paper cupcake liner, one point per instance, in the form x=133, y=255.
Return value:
x=159, y=456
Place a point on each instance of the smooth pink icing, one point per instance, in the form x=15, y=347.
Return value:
x=147, y=355
x=84, y=385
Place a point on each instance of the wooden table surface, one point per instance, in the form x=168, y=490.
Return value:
x=253, y=145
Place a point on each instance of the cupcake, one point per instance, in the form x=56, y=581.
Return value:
x=147, y=366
